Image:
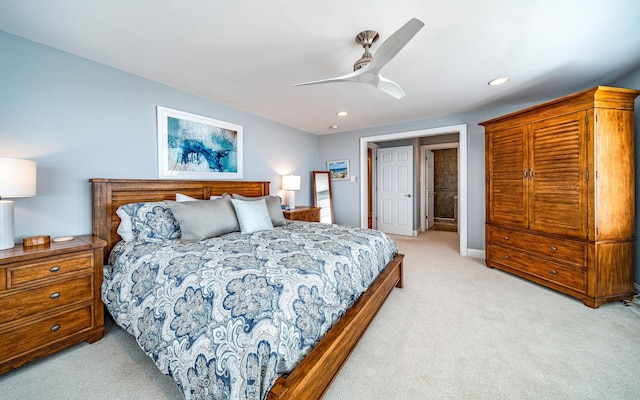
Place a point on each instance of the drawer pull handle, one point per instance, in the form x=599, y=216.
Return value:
x=553, y=271
x=506, y=257
x=55, y=295
x=54, y=269
x=55, y=327
x=554, y=248
x=506, y=238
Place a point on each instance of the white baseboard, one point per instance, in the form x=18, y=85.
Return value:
x=475, y=253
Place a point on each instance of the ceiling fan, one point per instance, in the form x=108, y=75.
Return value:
x=367, y=68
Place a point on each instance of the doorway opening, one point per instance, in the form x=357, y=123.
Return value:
x=367, y=142
x=439, y=186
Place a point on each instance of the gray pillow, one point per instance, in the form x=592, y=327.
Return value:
x=274, y=206
x=204, y=219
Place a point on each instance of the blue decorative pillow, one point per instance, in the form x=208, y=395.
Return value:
x=152, y=221
x=253, y=215
x=274, y=206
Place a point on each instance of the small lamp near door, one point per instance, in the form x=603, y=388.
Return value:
x=17, y=179
x=291, y=183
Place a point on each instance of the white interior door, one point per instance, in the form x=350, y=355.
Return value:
x=430, y=189
x=395, y=190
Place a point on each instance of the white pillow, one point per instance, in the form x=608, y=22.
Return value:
x=253, y=216
x=124, y=229
x=183, y=197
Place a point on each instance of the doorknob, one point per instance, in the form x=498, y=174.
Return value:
x=408, y=195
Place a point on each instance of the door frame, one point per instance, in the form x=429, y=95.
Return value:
x=374, y=189
x=423, y=174
x=461, y=130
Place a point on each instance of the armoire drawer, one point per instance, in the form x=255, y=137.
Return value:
x=569, y=252
x=564, y=275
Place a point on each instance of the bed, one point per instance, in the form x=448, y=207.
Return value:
x=321, y=359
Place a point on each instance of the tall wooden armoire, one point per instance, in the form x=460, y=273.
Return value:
x=560, y=194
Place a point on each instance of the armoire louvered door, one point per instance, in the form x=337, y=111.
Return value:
x=507, y=186
x=558, y=176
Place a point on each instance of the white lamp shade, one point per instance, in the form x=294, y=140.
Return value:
x=291, y=182
x=17, y=177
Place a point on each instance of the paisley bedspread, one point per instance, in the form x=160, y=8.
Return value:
x=226, y=316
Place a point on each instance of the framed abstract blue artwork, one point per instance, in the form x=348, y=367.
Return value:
x=194, y=147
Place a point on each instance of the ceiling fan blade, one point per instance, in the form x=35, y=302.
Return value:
x=350, y=77
x=389, y=87
x=392, y=46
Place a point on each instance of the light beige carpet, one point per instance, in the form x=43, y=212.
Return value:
x=458, y=330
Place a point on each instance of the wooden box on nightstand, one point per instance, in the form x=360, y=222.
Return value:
x=49, y=298
x=303, y=213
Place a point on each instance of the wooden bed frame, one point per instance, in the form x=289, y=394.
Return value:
x=313, y=376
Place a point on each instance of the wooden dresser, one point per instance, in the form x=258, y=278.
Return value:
x=49, y=298
x=303, y=213
x=560, y=194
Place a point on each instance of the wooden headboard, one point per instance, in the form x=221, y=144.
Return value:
x=109, y=194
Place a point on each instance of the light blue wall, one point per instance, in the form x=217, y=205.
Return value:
x=79, y=120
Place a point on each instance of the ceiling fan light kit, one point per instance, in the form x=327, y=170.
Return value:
x=367, y=68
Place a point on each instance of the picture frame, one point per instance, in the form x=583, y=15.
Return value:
x=191, y=146
x=338, y=170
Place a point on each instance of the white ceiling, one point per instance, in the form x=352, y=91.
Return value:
x=249, y=53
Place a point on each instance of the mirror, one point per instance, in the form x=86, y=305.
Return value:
x=322, y=195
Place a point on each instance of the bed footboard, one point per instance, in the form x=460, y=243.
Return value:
x=313, y=376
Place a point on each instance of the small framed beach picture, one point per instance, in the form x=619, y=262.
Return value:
x=195, y=147
x=339, y=170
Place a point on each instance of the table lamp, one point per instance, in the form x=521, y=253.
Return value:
x=17, y=179
x=291, y=183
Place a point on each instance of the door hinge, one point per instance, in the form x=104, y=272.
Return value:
x=587, y=174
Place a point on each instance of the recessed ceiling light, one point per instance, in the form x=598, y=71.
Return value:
x=342, y=113
x=334, y=127
x=498, y=81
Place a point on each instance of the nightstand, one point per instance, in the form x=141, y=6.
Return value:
x=49, y=298
x=303, y=213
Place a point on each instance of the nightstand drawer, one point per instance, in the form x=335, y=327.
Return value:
x=14, y=305
x=303, y=213
x=311, y=216
x=30, y=337
x=26, y=274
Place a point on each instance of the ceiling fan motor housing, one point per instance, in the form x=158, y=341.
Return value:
x=366, y=39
